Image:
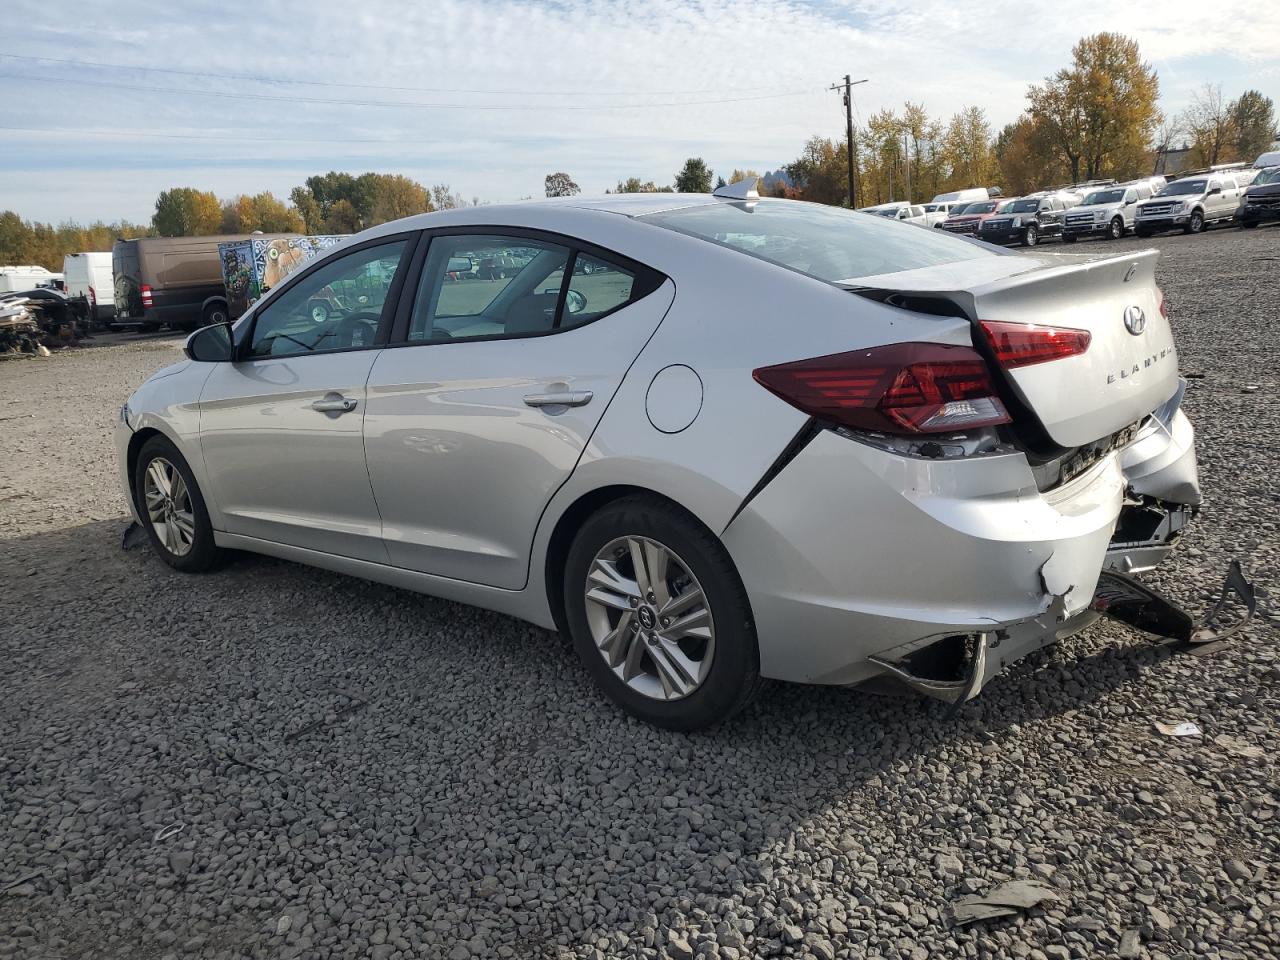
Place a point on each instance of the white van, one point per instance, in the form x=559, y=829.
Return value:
x=27, y=277
x=89, y=275
x=970, y=195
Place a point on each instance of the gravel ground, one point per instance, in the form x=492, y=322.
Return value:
x=278, y=762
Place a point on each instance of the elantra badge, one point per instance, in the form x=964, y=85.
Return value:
x=1135, y=321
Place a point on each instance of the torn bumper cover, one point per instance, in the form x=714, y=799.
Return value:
x=956, y=671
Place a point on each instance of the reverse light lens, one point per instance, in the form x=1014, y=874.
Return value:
x=902, y=388
x=1023, y=344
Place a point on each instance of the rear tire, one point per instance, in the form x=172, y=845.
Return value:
x=614, y=641
x=176, y=519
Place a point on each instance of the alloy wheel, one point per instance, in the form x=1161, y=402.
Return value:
x=649, y=618
x=1197, y=222
x=1033, y=236
x=168, y=503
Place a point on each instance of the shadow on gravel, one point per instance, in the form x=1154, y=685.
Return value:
x=347, y=752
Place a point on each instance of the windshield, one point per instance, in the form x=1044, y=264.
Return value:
x=1103, y=196
x=1022, y=206
x=1267, y=176
x=987, y=207
x=889, y=212
x=1183, y=188
x=823, y=242
x=957, y=208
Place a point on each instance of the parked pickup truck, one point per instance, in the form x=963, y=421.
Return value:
x=1189, y=205
x=1262, y=198
x=1109, y=213
x=1027, y=221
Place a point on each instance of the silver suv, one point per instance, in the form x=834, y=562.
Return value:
x=1189, y=205
x=1108, y=212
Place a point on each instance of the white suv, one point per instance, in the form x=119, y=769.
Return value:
x=1189, y=205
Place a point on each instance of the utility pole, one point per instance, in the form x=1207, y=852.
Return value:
x=848, y=125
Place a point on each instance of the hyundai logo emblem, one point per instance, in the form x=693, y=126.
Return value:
x=1135, y=321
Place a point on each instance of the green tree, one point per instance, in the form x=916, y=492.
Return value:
x=342, y=217
x=186, y=212
x=561, y=185
x=694, y=177
x=392, y=197
x=1102, y=111
x=305, y=202
x=1253, y=119
x=636, y=185
x=22, y=242
x=1026, y=159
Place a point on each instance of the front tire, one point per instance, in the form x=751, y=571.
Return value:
x=659, y=616
x=1031, y=236
x=172, y=509
x=1196, y=223
x=1116, y=232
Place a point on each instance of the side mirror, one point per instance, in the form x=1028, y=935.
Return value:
x=211, y=344
x=575, y=302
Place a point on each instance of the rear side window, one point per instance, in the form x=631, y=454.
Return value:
x=828, y=243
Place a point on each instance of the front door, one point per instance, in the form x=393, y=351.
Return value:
x=474, y=423
x=281, y=427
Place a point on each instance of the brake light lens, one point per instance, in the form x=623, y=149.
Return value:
x=93, y=298
x=1023, y=344
x=146, y=295
x=1164, y=311
x=901, y=388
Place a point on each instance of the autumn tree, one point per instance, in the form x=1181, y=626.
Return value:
x=341, y=203
x=694, y=177
x=1253, y=122
x=1101, y=112
x=636, y=185
x=820, y=173
x=263, y=211
x=186, y=212
x=967, y=148
x=1208, y=121
x=392, y=197
x=443, y=198
x=561, y=185
x=1025, y=157
x=23, y=242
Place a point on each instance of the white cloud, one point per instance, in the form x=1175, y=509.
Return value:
x=558, y=59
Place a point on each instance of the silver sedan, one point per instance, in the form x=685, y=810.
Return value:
x=712, y=439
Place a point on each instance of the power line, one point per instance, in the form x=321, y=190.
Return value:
x=367, y=86
x=330, y=141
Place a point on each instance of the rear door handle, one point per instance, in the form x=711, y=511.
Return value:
x=335, y=403
x=567, y=398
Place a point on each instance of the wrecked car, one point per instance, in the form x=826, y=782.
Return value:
x=759, y=438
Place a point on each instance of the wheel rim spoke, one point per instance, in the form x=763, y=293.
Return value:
x=649, y=618
x=159, y=477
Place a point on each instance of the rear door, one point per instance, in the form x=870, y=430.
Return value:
x=126, y=269
x=481, y=410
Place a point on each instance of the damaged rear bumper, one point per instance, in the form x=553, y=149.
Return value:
x=944, y=572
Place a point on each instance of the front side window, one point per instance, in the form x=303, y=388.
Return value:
x=338, y=306
x=823, y=242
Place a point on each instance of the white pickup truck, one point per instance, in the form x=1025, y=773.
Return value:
x=1189, y=204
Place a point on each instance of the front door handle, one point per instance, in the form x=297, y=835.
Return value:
x=567, y=398
x=335, y=403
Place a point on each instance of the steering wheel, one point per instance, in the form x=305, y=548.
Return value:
x=347, y=328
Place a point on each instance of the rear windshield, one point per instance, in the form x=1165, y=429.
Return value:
x=829, y=243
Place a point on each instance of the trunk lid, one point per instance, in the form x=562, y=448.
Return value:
x=1130, y=367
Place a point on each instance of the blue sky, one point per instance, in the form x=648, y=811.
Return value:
x=491, y=95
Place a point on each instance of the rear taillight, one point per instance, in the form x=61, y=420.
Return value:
x=93, y=298
x=902, y=388
x=146, y=295
x=1164, y=311
x=1022, y=344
